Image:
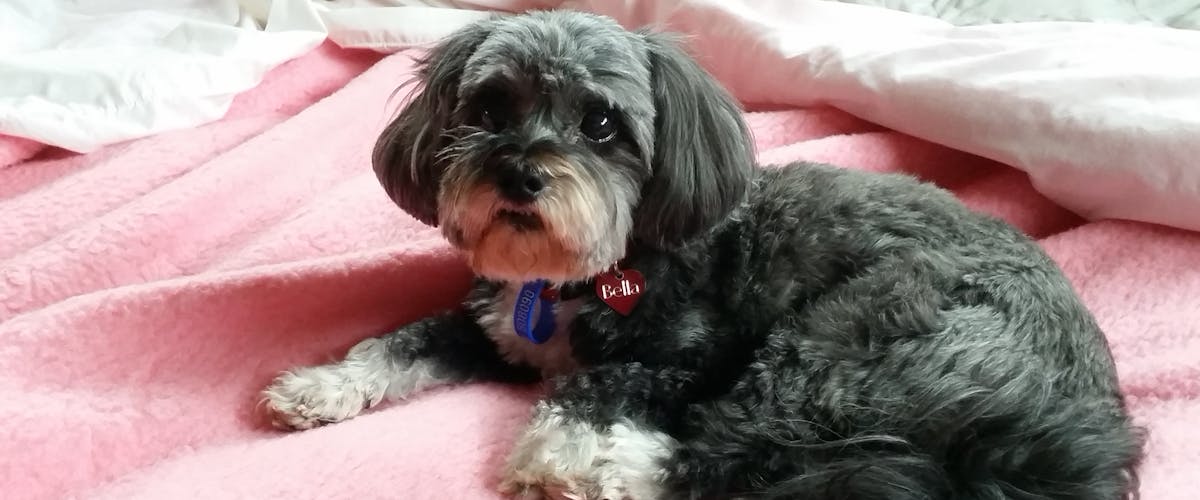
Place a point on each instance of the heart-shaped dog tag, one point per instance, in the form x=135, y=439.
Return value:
x=621, y=289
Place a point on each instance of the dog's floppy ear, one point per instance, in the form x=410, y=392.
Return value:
x=405, y=155
x=702, y=153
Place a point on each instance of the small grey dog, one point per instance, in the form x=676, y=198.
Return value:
x=710, y=329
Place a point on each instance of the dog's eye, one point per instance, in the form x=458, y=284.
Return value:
x=491, y=118
x=599, y=125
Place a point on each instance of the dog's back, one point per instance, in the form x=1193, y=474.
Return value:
x=918, y=351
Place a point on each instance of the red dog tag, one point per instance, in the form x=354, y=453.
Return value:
x=620, y=289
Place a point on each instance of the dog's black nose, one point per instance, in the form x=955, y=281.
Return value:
x=520, y=185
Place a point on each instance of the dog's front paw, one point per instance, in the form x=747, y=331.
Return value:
x=557, y=458
x=307, y=397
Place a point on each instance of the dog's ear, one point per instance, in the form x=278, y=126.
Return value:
x=405, y=155
x=702, y=154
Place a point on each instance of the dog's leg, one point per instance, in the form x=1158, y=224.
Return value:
x=436, y=351
x=598, y=436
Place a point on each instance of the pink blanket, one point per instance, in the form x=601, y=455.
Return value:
x=149, y=290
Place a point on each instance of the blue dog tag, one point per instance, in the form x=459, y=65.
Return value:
x=533, y=316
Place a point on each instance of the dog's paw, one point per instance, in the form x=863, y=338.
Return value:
x=557, y=458
x=308, y=397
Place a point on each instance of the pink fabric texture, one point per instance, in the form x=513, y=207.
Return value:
x=149, y=290
x=16, y=149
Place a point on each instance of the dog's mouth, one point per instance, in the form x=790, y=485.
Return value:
x=520, y=219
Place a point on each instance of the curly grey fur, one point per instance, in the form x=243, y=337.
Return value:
x=807, y=332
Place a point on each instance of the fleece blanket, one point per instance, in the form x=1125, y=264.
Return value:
x=149, y=290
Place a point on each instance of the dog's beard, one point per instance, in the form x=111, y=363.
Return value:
x=567, y=234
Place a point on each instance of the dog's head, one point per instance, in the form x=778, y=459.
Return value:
x=543, y=143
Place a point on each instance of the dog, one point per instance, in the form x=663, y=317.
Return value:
x=708, y=328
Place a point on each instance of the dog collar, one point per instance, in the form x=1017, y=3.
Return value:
x=533, y=315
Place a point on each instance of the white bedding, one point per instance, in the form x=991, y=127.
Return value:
x=81, y=75
x=1183, y=14
x=1105, y=117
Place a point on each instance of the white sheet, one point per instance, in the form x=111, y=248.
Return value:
x=387, y=25
x=1183, y=14
x=81, y=75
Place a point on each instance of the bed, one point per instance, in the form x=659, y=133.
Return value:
x=150, y=286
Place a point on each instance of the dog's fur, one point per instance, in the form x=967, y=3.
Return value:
x=806, y=332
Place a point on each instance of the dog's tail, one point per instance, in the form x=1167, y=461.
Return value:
x=975, y=449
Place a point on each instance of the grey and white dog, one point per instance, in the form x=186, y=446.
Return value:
x=720, y=331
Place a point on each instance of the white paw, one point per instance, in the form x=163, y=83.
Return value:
x=307, y=397
x=558, y=458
